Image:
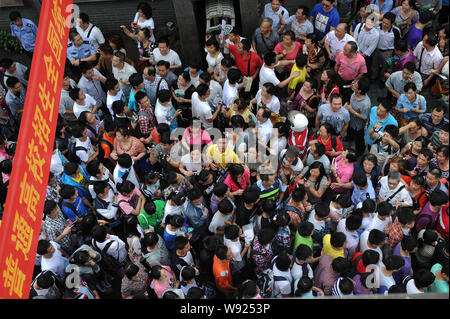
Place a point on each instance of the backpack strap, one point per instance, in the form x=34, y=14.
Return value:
x=157, y=88
x=305, y=270
x=90, y=128
x=393, y=195
x=70, y=206
x=105, y=249
x=90, y=31
x=142, y=113
x=103, y=141
x=294, y=209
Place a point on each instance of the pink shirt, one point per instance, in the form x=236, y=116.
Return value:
x=291, y=55
x=232, y=185
x=160, y=288
x=345, y=172
x=350, y=70
x=201, y=139
x=127, y=206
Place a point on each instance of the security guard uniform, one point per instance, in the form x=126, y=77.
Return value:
x=84, y=51
x=26, y=35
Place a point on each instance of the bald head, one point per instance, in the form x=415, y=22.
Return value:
x=341, y=30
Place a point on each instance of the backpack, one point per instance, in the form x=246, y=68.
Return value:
x=355, y=262
x=108, y=263
x=72, y=152
x=406, y=280
x=265, y=282
x=430, y=220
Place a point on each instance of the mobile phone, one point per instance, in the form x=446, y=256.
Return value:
x=74, y=222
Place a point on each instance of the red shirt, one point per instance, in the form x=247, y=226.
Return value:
x=242, y=63
x=328, y=144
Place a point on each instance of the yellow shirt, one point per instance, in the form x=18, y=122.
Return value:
x=222, y=159
x=301, y=78
x=329, y=250
x=80, y=179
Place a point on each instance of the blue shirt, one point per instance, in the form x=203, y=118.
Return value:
x=323, y=20
x=84, y=51
x=14, y=102
x=132, y=105
x=403, y=102
x=373, y=119
x=26, y=35
x=385, y=7
x=79, y=205
x=360, y=195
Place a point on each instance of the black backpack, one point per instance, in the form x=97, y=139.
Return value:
x=72, y=152
x=109, y=264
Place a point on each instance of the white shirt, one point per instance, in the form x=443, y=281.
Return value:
x=88, y=106
x=124, y=74
x=19, y=74
x=335, y=44
x=379, y=224
x=111, y=99
x=318, y=224
x=162, y=113
x=57, y=263
x=215, y=92
x=187, y=161
x=267, y=75
x=96, y=37
x=411, y=288
x=56, y=165
x=402, y=196
x=283, y=286
x=273, y=105
x=214, y=61
x=352, y=237
x=172, y=57
x=235, y=247
x=146, y=24
x=172, y=210
x=367, y=40
x=430, y=60
x=131, y=176
x=117, y=250
x=363, y=244
x=297, y=271
x=111, y=211
x=82, y=154
x=386, y=39
x=202, y=110
x=229, y=93
x=264, y=130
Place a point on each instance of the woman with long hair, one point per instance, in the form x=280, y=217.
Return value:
x=369, y=166
x=133, y=233
x=238, y=179
x=341, y=170
x=328, y=85
x=307, y=101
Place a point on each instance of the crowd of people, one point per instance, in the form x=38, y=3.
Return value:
x=191, y=179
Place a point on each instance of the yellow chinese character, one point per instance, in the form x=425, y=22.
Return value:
x=55, y=42
x=22, y=235
x=47, y=100
x=35, y=161
x=13, y=276
x=29, y=195
x=60, y=22
x=41, y=128
x=52, y=72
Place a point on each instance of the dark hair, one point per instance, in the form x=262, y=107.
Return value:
x=423, y=277
x=266, y=236
x=195, y=292
x=85, y=66
x=131, y=270
x=384, y=209
x=248, y=289
x=393, y=262
x=234, y=75
x=364, y=85
x=370, y=257
x=346, y=286
x=376, y=237
x=6, y=63
x=180, y=242
x=305, y=228
x=130, y=226
x=322, y=210
x=246, y=44
x=126, y=187
x=67, y=191
x=84, y=17
x=11, y=82
x=231, y=232
x=99, y=233
x=432, y=39
x=402, y=46
x=337, y=239
x=387, y=104
x=303, y=252
x=283, y=261
x=298, y=194
x=100, y=186
x=106, y=49
x=13, y=16
x=301, y=60
x=124, y=160
x=93, y=167
x=146, y=9
x=221, y=251
x=176, y=221
x=268, y=205
x=290, y=34
x=250, y=196
x=220, y=189
x=187, y=274
x=316, y=165
x=163, y=63
x=45, y=279
x=305, y=11
x=405, y=215
x=164, y=96
x=74, y=93
x=304, y=285
x=341, y=265
x=353, y=222
x=438, y=198
x=212, y=42
x=136, y=79
x=353, y=46
x=49, y=206
x=359, y=178
x=225, y=206
x=369, y=206
x=42, y=247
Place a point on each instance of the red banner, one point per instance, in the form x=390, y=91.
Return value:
x=21, y=225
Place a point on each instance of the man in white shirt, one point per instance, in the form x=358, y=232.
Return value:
x=215, y=88
x=336, y=39
x=366, y=36
x=230, y=87
x=114, y=93
x=201, y=108
x=382, y=218
x=393, y=191
x=282, y=276
x=52, y=257
x=373, y=240
x=164, y=52
x=122, y=72
x=267, y=73
x=428, y=57
x=116, y=249
x=88, y=31
x=264, y=125
x=124, y=166
x=83, y=102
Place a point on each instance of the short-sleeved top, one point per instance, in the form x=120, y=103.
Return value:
x=291, y=55
x=419, y=102
x=149, y=23
x=300, y=29
x=26, y=35
x=89, y=105
x=222, y=159
x=229, y=94
x=232, y=185
x=267, y=75
x=323, y=20
x=269, y=13
x=385, y=7
x=361, y=106
x=373, y=119
x=414, y=36
x=222, y=274
x=242, y=63
x=299, y=79
x=350, y=70
x=336, y=119
x=263, y=44
x=329, y=250
x=335, y=44
x=172, y=57
x=92, y=33
x=201, y=110
x=438, y=285
x=396, y=81
x=84, y=51
x=126, y=206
